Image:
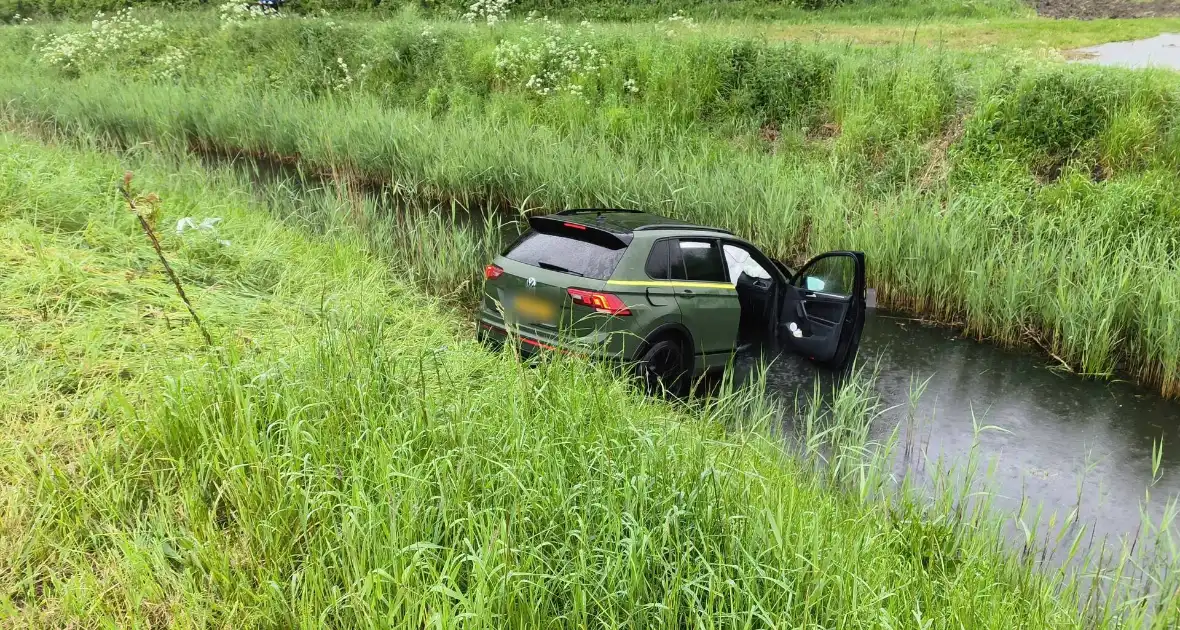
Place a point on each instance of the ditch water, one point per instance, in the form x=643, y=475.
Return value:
x=1054, y=436
x=1161, y=51
x=1050, y=433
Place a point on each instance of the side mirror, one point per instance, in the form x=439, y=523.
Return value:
x=815, y=284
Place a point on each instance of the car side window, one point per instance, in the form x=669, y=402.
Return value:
x=702, y=261
x=739, y=261
x=659, y=261
x=834, y=275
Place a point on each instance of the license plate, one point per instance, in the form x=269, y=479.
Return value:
x=534, y=308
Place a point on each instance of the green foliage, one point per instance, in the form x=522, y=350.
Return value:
x=963, y=177
x=782, y=84
x=1049, y=117
x=1052, y=115
x=120, y=41
x=350, y=443
x=574, y=9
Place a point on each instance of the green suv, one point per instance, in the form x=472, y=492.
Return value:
x=672, y=298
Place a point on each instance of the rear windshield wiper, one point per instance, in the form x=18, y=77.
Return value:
x=553, y=267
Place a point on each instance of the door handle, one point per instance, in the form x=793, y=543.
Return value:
x=686, y=293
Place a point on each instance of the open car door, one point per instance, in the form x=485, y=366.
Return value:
x=823, y=311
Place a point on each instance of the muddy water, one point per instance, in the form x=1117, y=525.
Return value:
x=1052, y=430
x=1162, y=51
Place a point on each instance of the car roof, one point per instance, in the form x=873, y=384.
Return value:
x=624, y=220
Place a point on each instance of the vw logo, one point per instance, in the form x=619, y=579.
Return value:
x=532, y=282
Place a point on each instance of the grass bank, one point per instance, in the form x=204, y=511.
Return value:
x=997, y=34
x=1027, y=201
x=353, y=459
x=614, y=10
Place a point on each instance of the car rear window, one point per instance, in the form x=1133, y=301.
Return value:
x=588, y=259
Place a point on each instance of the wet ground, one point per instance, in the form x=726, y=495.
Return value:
x=1094, y=9
x=1056, y=437
x=1162, y=51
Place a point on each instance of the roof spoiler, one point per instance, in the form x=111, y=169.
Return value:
x=589, y=233
x=590, y=210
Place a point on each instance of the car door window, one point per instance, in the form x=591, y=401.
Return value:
x=833, y=275
x=739, y=260
x=701, y=261
x=659, y=261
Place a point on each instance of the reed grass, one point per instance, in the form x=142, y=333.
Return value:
x=353, y=458
x=851, y=10
x=1032, y=203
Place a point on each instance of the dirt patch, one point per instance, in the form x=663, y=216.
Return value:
x=768, y=138
x=1098, y=9
x=938, y=166
x=826, y=131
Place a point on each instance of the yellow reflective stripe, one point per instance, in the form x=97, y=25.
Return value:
x=673, y=283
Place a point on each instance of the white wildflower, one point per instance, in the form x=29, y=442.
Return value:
x=428, y=35
x=346, y=78
x=121, y=34
x=555, y=63
x=491, y=11
x=238, y=13
x=679, y=20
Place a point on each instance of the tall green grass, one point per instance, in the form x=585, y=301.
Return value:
x=1030, y=202
x=852, y=10
x=352, y=458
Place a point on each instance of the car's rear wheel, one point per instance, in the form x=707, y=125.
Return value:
x=489, y=341
x=664, y=367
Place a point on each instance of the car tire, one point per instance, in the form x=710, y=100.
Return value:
x=488, y=341
x=664, y=368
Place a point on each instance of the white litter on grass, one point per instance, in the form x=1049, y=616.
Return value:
x=188, y=223
x=208, y=224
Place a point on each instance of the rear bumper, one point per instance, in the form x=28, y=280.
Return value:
x=528, y=346
x=596, y=345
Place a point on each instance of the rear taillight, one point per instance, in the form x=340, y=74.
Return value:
x=491, y=272
x=601, y=302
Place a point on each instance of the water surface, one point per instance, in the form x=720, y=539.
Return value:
x=1051, y=432
x=1161, y=51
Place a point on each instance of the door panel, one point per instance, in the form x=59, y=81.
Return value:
x=823, y=312
x=757, y=286
x=824, y=309
x=708, y=302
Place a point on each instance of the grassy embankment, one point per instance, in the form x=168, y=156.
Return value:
x=1003, y=24
x=998, y=34
x=348, y=456
x=615, y=10
x=1029, y=201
